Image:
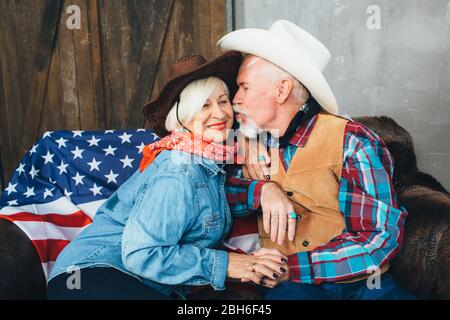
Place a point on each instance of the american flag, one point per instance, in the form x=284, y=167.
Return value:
x=64, y=178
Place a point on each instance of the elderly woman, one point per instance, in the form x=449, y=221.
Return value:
x=156, y=237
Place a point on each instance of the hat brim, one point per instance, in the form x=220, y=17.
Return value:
x=286, y=55
x=225, y=67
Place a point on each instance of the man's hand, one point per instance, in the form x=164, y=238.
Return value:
x=275, y=204
x=276, y=207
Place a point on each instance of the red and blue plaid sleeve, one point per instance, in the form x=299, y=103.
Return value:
x=374, y=221
x=243, y=195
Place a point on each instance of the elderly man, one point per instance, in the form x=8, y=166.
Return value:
x=330, y=182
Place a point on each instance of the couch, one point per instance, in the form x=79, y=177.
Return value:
x=421, y=267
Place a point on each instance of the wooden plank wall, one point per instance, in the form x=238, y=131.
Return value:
x=95, y=77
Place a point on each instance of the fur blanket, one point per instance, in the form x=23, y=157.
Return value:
x=424, y=262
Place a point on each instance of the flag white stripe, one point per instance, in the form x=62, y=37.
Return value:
x=90, y=208
x=47, y=267
x=59, y=206
x=46, y=230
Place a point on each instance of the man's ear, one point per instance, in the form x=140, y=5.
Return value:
x=284, y=90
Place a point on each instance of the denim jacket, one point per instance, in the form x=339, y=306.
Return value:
x=160, y=226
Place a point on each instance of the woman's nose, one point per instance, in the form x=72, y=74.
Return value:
x=218, y=112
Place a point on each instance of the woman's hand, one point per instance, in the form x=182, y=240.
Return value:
x=271, y=283
x=256, y=159
x=267, y=264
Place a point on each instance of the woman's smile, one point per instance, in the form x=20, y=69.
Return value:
x=218, y=126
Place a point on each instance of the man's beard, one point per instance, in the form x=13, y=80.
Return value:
x=249, y=129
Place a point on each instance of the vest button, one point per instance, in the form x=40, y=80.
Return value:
x=289, y=193
x=305, y=243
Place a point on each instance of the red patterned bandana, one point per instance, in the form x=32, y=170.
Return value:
x=187, y=142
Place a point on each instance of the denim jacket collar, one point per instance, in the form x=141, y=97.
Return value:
x=211, y=165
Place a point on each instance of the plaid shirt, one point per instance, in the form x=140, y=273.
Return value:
x=367, y=199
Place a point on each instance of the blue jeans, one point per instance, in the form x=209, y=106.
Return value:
x=102, y=283
x=389, y=290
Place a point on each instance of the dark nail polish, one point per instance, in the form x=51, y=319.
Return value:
x=267, y=177
x=283, y=260
x=275, y=275
x=283, y=270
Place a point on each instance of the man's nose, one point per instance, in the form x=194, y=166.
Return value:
x=237, y=98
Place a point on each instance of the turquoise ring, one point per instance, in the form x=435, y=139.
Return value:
x=293, y=215
x=261, y=157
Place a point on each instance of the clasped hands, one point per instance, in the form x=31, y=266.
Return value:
x=266, y=267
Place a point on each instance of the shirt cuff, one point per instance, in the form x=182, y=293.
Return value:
x=219, y=270
x=254, y=194
x=300, y=268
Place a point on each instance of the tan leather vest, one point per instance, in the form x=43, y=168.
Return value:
x=312, y=184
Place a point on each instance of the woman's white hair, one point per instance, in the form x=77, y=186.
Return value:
x=192, y=100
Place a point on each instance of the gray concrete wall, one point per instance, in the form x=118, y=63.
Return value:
x=401, y=70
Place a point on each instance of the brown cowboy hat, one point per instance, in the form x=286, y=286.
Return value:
x=181, y=73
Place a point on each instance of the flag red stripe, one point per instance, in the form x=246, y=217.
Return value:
x=74, y=220
x=49, y=249
x=6, y=217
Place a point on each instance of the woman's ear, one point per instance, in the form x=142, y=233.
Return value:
x=284, y=90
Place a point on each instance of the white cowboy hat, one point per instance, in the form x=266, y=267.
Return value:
x=291, y=48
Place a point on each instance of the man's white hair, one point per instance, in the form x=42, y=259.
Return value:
x=192, y=100
x=299, y=92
